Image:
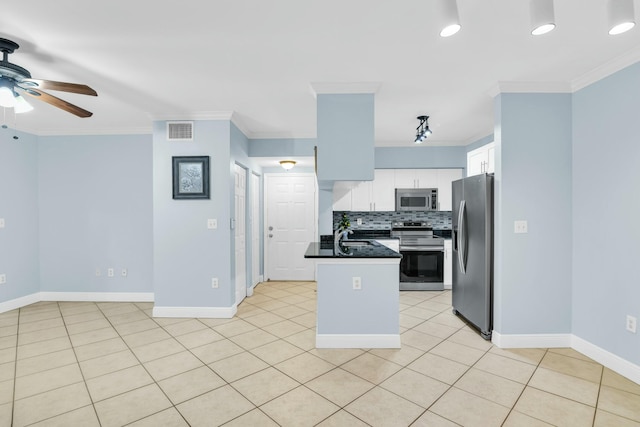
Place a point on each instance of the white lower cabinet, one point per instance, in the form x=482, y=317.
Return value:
x=448, y=264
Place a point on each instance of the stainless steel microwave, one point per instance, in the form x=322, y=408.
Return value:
x=416, y=199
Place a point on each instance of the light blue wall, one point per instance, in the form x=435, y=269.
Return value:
x=19, y=256
x=282, y=147
x=420, y=157
x=371, y=310
x=187, y=254
x=345, y=137
x=606, y=212
x=95, y=210
x=532, y=277
x=240, y=155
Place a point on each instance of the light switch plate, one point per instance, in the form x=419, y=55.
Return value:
x=212, y=223
x=1, y=222
x=3, y=279
x=520, y=227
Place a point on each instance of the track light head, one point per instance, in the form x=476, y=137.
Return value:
x=422, y=131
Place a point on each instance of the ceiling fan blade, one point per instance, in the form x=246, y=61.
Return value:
x=57, y=102
x=61, y=86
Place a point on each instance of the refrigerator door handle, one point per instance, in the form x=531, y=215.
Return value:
x=461, y=237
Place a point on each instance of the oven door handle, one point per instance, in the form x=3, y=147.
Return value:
x=462, y=238
x=422, y=248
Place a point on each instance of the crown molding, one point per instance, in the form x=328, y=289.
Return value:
x=529, y=87
x=605, y=70
x=336, y=88
x=86, y=132
x=197, y=115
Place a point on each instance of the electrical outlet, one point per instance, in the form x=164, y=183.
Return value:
x=631, y=324
x=3, y=279
x=359, y=221
x=98, y=272
x=357, y=283
x=1, y=222
x=212, y=223
x=214, y=282
x=520, y=227
x=124, y=272
x=110, y=272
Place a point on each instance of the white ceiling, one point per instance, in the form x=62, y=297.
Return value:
x=258, y=58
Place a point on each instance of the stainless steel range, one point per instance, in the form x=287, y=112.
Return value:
x=422, y=264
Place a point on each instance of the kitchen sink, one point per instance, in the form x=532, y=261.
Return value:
x=351, y=243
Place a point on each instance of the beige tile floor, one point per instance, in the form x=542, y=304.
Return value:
x=112, y=364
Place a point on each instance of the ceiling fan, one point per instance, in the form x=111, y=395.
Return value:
x=15, y=80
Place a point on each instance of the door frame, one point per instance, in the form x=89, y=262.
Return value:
x=237, y=166
x=265, y=232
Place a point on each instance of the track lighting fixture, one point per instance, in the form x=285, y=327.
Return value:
x=287, y=164
x=450, y=17
x=422, y=131
x=621, y=16
x=542, y=16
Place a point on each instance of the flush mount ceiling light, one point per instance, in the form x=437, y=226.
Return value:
x=621, y=16
x=287, y=164
x=450, y=18
x=542, y=16
x=422, y=131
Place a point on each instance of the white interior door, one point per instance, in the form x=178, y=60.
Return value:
x=240, y=233
x=255, y=228
x=291, y=218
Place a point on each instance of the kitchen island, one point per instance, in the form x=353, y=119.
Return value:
x=358, y=295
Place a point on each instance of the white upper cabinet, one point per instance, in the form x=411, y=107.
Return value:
x=365, y=196
x=383, y=193
x=416, y=178
x=481, y=160
x=445, y=178
x=342, y=195
x=379, y=194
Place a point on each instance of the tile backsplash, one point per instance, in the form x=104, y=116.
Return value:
x=440, y=220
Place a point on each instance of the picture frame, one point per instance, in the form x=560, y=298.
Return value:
x=190, y=177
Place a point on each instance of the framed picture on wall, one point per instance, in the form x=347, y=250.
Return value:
x=191, y=177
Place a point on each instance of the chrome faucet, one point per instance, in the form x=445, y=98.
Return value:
x=339, y=235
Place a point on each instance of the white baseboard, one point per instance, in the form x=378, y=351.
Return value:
x=76, y=296
x=531, y=340
x=250, y=290
x=357, y=340
x=192, y=312
x=98, y=296
x=19, y=302
x=447, y=286
x=615, y=363
x=608, y=359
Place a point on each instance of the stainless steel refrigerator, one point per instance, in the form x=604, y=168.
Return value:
x=472, y=235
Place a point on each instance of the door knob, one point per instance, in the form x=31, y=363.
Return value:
x=270, y=228
x=270, y=235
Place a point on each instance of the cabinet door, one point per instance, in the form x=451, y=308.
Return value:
x=476, y=161
x=427, y=178
x=445, y=177
x=342, y=195
x=383, y=190
x=406, y=178
x=361, y=196
x=491, y=149
x=448, y=264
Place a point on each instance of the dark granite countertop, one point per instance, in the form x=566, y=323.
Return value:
x=375, y=250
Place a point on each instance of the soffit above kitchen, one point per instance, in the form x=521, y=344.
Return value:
x=259, y=58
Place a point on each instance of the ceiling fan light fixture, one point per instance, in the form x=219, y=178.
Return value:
x=621, y=16
x=542, y=16
x=287, y=164
x=22, y=106
x=7, y=98
x=450, y=18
